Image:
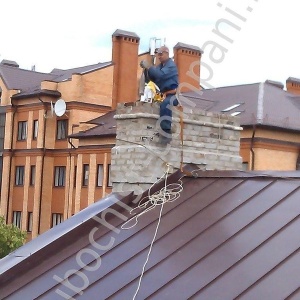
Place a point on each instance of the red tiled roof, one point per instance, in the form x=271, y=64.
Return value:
x=230, y=235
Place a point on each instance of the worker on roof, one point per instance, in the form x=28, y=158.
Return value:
x=165, y=76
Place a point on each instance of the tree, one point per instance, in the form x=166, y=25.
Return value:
x=11, y=237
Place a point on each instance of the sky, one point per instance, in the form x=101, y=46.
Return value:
x=244, y=41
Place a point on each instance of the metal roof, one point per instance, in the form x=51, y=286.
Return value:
x=20, y=79
x=180, y=45
x=105, y=126
x=121, y=32
x=265, y=104
x=29, y=81
x=229, y=235
x=258, y=103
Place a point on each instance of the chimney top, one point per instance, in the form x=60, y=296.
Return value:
x=120, y=32
x=293, y=79
x=187, y=46
x=275, y=83
x=9, y=63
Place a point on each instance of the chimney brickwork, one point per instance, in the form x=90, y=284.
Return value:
x=125, y=60
x=210, y=140
x=187, y=59
x=293, y=85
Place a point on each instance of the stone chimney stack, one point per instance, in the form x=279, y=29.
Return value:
x=210, y=140
x=187, y=59
x=293, y=85
x=125, y=47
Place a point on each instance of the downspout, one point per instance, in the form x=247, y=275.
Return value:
x=69, y=183
x=11, y=158
x=43, y=163
x=298, y=162
x=251, y=148
x=259, y=119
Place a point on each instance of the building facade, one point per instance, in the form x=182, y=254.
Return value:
x=57, y=163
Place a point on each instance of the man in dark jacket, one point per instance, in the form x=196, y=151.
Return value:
x=165, y=76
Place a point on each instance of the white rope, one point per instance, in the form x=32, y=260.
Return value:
x=168, y=193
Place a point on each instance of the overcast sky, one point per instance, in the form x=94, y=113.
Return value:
x=260, y=43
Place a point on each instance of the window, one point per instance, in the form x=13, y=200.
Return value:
x=231, y=107
x=2, y=130
x=59, y=176
x=109, y=182
x=99, y=175
x=35, y=129
x=32, y=175
x=62, y=129
x=56, y=219
x=236, y=113
x=85, y=175
x=75, y=175
x=22, y=130
x=20, y=170
x=29, y=221
x=17, y=215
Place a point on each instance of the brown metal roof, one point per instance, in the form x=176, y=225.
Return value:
x=230, y=235
x=20, y=79
x=121, y=32
x=106, y=126
x=180, y=45
x=264, y=104
x=258, y=103
x=29, y=81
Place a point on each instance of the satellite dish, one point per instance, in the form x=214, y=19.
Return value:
x=60, y=107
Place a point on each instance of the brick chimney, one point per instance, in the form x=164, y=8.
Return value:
x=293, y=85
x=125, y=46
x=210, y=140
x=187, y=59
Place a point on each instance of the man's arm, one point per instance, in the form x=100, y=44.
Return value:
x=167, y=71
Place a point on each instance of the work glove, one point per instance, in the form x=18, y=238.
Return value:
x=144, y=64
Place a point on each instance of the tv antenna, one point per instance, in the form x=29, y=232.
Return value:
x=60, y=107
x=156, y=43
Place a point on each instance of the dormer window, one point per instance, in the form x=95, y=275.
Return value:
x=231, y=107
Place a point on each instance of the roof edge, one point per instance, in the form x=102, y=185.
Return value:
x=17, y=261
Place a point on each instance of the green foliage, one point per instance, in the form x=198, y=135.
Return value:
x=11, y=237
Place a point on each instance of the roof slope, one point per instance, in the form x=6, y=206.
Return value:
x=259, y=103
x=264, y=104
x=20, y=79
x=230, y=235
x=105, y=126
x=29, y=81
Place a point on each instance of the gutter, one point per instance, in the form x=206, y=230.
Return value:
x=251, y=148
x=69, y=179
x=259, y=119
x=43, y=163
